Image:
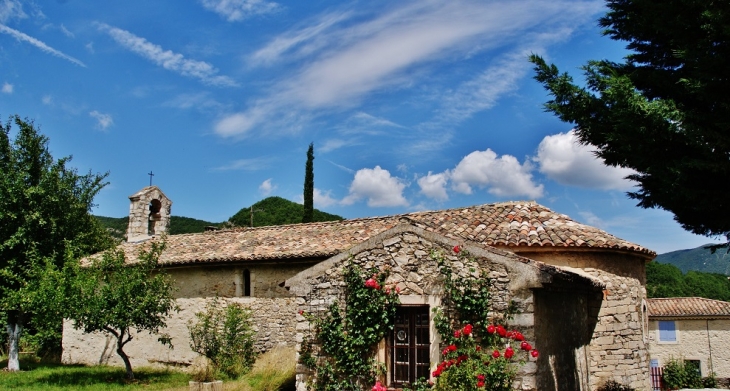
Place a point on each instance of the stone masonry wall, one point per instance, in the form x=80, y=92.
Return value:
x=618, y=348
x=417, y=275
x=273, y=320
x=706, y=340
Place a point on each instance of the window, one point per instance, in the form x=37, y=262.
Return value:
x=410, y=345
x=246, y=283
x=667, y=331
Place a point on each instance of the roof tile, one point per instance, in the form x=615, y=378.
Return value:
x=687, y=307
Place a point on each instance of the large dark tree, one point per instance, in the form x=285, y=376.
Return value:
x=44, y=221
x=309, y=186
x=665, y=111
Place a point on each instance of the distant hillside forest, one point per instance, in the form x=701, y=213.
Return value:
x=269, y=211
x=665, y=280
x=698, y=259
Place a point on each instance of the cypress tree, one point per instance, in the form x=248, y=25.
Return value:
x=309, y=186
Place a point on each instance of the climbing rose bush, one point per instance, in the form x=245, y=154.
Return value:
x=468, y=365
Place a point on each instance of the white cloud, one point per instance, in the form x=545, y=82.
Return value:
x=103, y=121
x=11, y=9
x=378, y=187
x=396, y=45
x=503, y=176
x=40, y=45
x=434, y=185
x=7, y=88
x=238, y=10
x=323, y=199
x=66, y=32
x=563, y=159
x=47, y=100
x=266, y=187
x=168, y=59
x=254, y=164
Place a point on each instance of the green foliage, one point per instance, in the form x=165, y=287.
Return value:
x=664, y=280
x=112, y=296
x=276, y=211
x=476, y=356
x=225, y=336
x=701, y=259
x=681, y=374
x=44, y=221
x=612, y=385
x=117, y=226
x=308, y=215
x=348, y=338
x=665, y=111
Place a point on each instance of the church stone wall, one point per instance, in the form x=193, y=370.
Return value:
x=417, y=276
x=273, y=319
x=618, y=348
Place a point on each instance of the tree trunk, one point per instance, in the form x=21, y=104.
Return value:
x=125, y=358
x=14, y=327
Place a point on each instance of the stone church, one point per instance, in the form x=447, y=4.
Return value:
x=580, y=291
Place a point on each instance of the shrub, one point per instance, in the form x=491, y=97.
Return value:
x=612, y=385
x=225, y=337
x=681, y=374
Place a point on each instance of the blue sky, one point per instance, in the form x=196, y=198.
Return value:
x=411, y=105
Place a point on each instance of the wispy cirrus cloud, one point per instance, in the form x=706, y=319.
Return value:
x=20, y=36
x=168, y=59
x=253, y=164
x=103, y=121
x=238, y=10
x=348, y=56
x=7, y=88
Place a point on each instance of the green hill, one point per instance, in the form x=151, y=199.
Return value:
x=269, y=211
x=698, y=259
x=665, y=280
x=117, y=226
x=276, y=211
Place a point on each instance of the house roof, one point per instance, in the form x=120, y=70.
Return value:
x=511, y=224
x=687, y=307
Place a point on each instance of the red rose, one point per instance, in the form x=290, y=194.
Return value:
x=491, y=329
x=534, y=353
x=467, y=329
x=457, y=249
x=480, y=383
x=452, y=348
x=445, y=351
x=496, y=354
x=525, y=346
x=301, y=312
x=501, y=331
x=509, y=352
x=518, y=336
x=457, y=334
x=478, y=348
x=480, y=377
x=371, y=283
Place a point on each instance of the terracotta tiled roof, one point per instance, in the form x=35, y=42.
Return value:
x=524, y=224
x=687, y=307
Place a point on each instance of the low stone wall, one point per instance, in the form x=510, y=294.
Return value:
x=273, y=320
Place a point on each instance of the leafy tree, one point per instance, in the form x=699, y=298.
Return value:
x=225, y=336
x=276, y=211
x=112, y=296
x=665, y=280
x=44, y=220
x=309, y=186
x=665, y=111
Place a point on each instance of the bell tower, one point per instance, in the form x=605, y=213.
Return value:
x=149, y=214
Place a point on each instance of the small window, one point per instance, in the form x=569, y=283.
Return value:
x=667, y=331
x=246, y=283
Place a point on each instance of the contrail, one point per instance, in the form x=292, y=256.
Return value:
x=27, y=38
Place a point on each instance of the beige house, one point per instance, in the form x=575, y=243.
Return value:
x=693, y=329
x=580, y=290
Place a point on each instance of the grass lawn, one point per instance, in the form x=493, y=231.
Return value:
x=273, y=371
x=51, y=376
